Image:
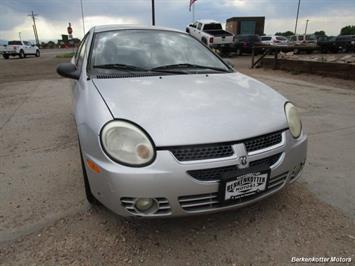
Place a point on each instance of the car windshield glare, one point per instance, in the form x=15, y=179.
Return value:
x=149, y=49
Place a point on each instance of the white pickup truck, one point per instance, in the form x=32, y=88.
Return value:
x=21, y=49
x=211, y=33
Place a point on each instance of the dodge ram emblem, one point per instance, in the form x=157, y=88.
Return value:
x=243, y=160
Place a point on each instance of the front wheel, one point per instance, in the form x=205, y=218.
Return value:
x=5, y=56
x=22, y=54
x=38, y=54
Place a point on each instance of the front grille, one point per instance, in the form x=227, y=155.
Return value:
x=263, y=142
x=214, y=174
x=222, y=150
x=271, y=160
x=193, y=153
x=204, y=202
x=163, y=206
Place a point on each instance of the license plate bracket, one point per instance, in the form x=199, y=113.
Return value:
x=240, y=183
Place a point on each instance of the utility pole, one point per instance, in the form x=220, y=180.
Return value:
x=153, y=13
x=19, y=35
x=33, y=15
x=82, y=16
x=193, y=13
x=305, y=30
x=298, y=11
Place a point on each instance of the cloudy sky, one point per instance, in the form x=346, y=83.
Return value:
x=54, y=15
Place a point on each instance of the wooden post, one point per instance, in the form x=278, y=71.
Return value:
x=275, y=58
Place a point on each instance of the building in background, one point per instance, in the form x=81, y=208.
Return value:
x=246, y=25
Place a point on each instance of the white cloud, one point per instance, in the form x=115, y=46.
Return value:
x=330, y=24
x=52, y=30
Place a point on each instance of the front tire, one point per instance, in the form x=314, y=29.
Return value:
x=38, y=53
x=5, y=56
x=22, y=54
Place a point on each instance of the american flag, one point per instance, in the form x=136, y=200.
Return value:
x=191, y=3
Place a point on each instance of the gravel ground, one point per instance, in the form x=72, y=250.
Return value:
x=292, y=223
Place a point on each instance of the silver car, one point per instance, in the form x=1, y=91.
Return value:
x=168, y=128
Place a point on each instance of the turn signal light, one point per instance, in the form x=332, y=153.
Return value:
x=94, y=167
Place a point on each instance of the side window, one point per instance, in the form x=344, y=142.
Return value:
x=26, y=43
x=80, y=53
x=199, y=26
x=300, y=38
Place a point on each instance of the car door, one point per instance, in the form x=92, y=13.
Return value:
x=26, y=47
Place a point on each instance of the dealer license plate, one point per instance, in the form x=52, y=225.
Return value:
x=239, y=185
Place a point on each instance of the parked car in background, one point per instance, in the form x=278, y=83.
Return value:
x=2, y=48
x=21, y=49
x=308, y=39
x=304, y=43
x=274, y=40
x=167, y=128
x=244, y=43
x=327, y=44
x=211, y=33
x=345, y=43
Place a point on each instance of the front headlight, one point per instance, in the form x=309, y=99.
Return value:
x=127, y=144
x=294, y=122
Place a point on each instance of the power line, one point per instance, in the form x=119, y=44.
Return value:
x=34, y=17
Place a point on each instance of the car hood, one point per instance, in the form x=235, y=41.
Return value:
x=195, y=109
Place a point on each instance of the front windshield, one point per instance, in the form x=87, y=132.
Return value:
x=149, y=49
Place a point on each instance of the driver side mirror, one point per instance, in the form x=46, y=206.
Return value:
x=68, y=70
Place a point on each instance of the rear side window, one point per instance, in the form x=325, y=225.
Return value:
x=281, y=38
x=212, y=26
x=266, y=38
x=300, y=38
x=15, y=43
x=254, y=38
x=199, y=26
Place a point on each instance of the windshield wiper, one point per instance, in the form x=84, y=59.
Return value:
x=188, y=66
x=120, y=67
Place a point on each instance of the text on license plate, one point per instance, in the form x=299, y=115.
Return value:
x=245, y=185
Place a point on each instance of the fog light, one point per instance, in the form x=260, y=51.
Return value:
x=146, y=205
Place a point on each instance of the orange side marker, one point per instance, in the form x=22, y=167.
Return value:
x=93, y=166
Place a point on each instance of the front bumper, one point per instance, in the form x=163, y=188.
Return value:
x=178, y=193
x=12, y=53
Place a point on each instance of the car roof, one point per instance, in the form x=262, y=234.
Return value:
x=103, y=28
x=207, y=21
